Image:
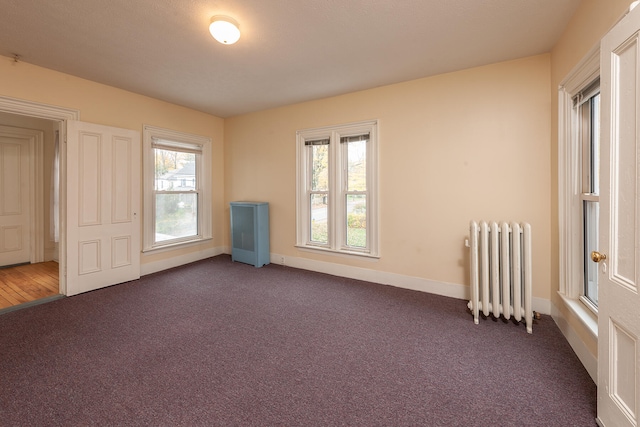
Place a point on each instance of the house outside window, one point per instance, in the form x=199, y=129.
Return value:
x=337, y=189
x=177, y=201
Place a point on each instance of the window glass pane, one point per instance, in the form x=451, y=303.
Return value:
x=590, y=244
x=176, y=216
x=319, y=215
x=174, y=170
x=595, y=143
x=320, y=167
x=357, y=166
x=356, y=220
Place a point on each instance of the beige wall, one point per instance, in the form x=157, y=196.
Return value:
x=106, y=105
x=590, y=23
x=467, y=145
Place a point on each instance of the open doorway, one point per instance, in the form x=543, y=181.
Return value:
x=29, y=210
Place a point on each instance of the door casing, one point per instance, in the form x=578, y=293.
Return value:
x=60, y=115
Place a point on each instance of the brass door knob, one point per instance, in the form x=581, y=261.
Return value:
x=597, y=256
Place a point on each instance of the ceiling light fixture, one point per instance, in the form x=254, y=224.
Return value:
x=224, y=29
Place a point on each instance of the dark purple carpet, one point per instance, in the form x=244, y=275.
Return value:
x=217, y=343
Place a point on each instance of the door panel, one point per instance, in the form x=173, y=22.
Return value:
x=122, y=180
x=90, y=158
x=619, y=302
x=103, y=196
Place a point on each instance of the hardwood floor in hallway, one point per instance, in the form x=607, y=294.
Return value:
x=26, y=283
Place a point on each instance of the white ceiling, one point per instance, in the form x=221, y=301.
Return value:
x=290, y=50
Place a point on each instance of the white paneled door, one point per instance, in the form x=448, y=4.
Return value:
x=618, y=294
x=103, y=202
x=21, y=196
x=15, y=215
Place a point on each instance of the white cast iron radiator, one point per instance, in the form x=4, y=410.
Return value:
x=501, y=270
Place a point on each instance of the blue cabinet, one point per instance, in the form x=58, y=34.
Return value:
x=250, y=233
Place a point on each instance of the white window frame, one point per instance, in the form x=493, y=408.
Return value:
x=336, y=209
x=570, y=190
x=203, y=178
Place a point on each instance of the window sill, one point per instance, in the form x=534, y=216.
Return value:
x=337, y=252
x=173, y=246
x=586, y=316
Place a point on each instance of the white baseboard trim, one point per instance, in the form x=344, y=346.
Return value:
x=165, y=264
x=589, y=361
x=374, y=276
x=541, y=305
x=452, y=290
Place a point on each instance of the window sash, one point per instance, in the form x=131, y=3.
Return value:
x=196, y=191
x=319, y=221
x=590, y=220
x=586, y=105
x=175, y=230
x=588, y=119
x=355, y=223
x=158, y=175
x=311, y=149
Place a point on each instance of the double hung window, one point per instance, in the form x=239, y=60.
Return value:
x=176, y=199
x=337, y=189
x=578, y=176
x=587, y=105
x=578, y=190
